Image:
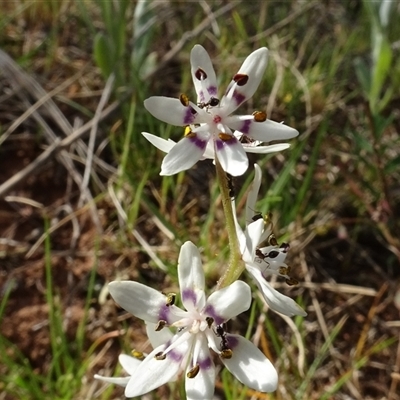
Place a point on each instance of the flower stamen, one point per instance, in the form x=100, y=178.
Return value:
x=226, y=137
x=226, y=353
x=194, y=371
x=160, y=325
x=184, y=99
x=260, y=116
x=241, y=79
x=188, y=133
x=170, y=299
x=137, y=354
x=160, y=356
x=200, y=74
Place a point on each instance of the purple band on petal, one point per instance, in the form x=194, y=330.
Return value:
x=189, y=295
x=232, y=341
x=164, y=313
x=201, y=144
x=205, y=364
x=210, y=311
x=245, y=129
x=212, y=90
x=189, y=117
x=201, y=96
x=239, y=97
x=219, y=144
x=174, y=356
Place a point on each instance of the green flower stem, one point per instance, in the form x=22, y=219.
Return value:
x=236, y=266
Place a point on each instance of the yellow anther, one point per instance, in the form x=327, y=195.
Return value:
x=283, y=270
x=189, y=133
x=170, y=299
x=184, y=99
x=226, y=353
x=137, y=354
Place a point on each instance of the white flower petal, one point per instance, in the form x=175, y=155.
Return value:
x=157, y=338
x=154, y=373
x=116, y=381
x=273, y=148
x=128, y=363
x=254, y=232
x=253, y=194
x=228, y=302
x=232, y=157
x=183, y=155
x=170, y=110
x=263, y=131
x=254, y=67
x=160, y=143
x=250, y=366
x=242, y=237
x=207, y=87
x=141, y=301
x=275, y=300
x=209, y=152
x=191, y=277
x=202, y=386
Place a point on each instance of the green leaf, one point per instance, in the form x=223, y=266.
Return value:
x=103, y=54
x=382, y=57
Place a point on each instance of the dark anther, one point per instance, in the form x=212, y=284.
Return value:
x=200, y=74
x=210, y=321
x=241, y=79
x=260, y=254
x=160, y=325
x=160, y=356
x=285, y=247
x=272, y=240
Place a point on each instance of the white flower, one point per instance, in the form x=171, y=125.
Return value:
x=210, y=128
x=199, y=328
x=269, y=260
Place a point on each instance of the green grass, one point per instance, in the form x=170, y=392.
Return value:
x=334, y=75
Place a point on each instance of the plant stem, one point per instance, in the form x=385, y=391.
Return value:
x=235, y=266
